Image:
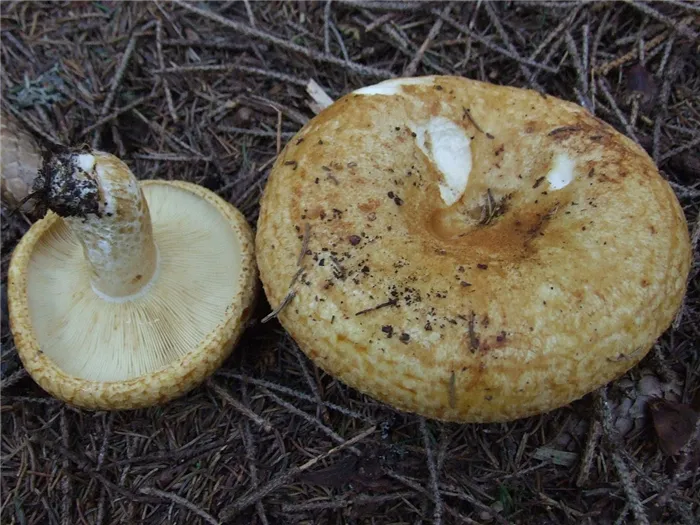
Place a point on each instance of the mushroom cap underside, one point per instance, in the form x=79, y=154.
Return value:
x=110, y=354
x=474, y=252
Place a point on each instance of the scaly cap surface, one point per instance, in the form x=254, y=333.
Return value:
x=475, y=253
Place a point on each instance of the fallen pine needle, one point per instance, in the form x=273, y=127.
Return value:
x=150, y=491
x=227, y=397
x=287, y=298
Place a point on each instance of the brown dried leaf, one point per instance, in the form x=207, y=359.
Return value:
x=674, y=424
x=641, y=83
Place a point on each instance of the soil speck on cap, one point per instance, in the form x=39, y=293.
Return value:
x=354, y=239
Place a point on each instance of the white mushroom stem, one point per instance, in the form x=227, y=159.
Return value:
x=101, y=201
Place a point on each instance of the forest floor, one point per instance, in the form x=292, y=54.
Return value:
x=206, y=92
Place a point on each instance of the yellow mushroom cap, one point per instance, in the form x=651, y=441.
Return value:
x=475, y=253
x=101, y=351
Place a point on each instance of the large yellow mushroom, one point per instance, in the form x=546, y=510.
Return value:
x=470, y=252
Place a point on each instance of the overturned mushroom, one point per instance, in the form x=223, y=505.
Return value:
x=504, y=252
x=127, y=293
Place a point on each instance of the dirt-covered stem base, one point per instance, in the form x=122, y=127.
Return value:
x=101, y=201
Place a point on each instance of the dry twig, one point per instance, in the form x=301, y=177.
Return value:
x=226, y=396
x=434, y=474
x=681, y=28
x=315, y=55
x=116, y=81
x=613, y=440
x=278, y=481
x=413, y=65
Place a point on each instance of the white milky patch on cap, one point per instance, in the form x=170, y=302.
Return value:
x=447, y=146
x=562, y=171
x=393, y=86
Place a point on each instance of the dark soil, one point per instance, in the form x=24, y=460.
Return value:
x=182, y=94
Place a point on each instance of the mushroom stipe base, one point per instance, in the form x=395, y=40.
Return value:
x=194, y=344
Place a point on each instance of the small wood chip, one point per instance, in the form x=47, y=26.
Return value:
x=321, y=100
x=558, y=457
